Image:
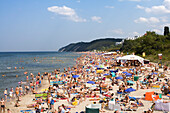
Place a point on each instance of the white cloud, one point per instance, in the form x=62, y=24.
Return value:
x=118, y=31
x=110, y=7
x=160, y=9
x=141, y=20
x=164, y=19
x=67, y=12
x=96, y=18
x=135, y=33
x=140, y=7
x=157, y=31
x=163, y=25
x=147, y=20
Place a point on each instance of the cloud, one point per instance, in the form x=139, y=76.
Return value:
x=135, y=33
x=157, y=31
x=163, y=25
x=67, y=12
x=159, y=9
x=164, y=19
x=110, y=7
x=118, y=31
x=140, y=7
x=147, y=20
x=96, y=18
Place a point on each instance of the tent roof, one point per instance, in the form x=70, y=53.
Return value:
x=130, y=57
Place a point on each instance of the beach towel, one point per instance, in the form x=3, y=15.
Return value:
x=27, y=111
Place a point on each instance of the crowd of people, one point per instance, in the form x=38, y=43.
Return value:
x=96, y=78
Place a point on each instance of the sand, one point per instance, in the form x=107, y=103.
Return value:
x=27, y=99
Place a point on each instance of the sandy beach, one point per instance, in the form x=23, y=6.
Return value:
x=28, y=99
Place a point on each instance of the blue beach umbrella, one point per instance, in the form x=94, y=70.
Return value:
x=119, y=77
x=130, y=82
x=129, y=90
x=154, y=73
x=125, y=72
x=91, y=82
x=106, y=74
x=75, y=76
x=96, y=66
x=115, y=71
x=128, y=74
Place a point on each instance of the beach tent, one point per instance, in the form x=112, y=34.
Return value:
x=148, y=96
x=93, y=108
x=131, y=57
x=159, y=105
x=129, y=90
x=110, y=53
x=75, y=76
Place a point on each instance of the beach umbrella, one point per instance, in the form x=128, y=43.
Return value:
x=91, y=82
x=119, y=77
x=130, y=82
x=106, y=74
x=72, y=71
x=128, y=74
x=115, y=71
x=129, y=90
x=154, y=73
x=87, y=70
x=125, y=72
x=113, y=74
x=75, y=76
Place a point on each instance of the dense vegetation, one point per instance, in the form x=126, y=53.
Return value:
x=99, y=44
x=151, y=43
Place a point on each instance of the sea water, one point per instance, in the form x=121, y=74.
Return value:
x=31, y=62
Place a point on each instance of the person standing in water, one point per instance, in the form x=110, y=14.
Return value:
x=17, y=91
x=5, y=94
x=2, y=103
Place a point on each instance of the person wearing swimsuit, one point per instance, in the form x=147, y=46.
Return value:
x=2, y=103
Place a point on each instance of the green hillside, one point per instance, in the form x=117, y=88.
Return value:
x=99, y=44
x=151, y=43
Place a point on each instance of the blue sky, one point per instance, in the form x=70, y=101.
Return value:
x=50, y=24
